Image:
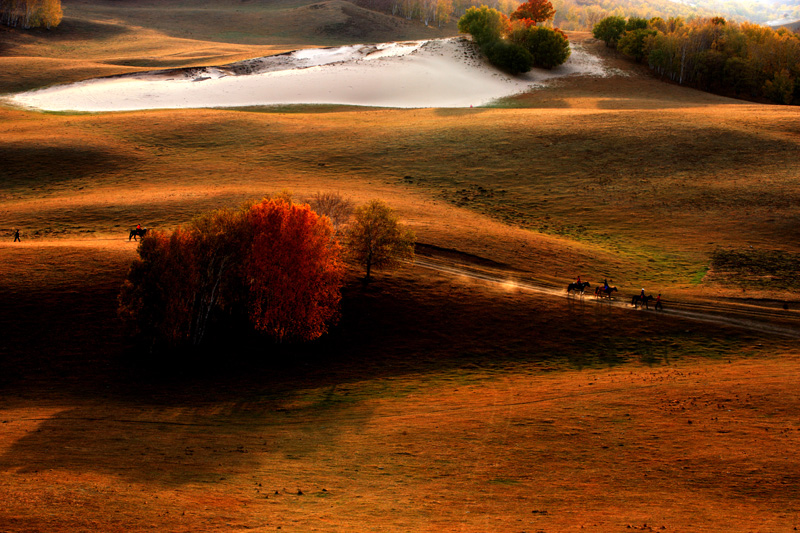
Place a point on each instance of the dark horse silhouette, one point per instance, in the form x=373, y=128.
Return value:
x=137, y=233
x=579, y=287
x=638, y=300
x=602, y=292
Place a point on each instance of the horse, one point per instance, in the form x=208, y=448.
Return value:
x=579, y=287
x=601, y=292
x=638, y=300
x=137, y=233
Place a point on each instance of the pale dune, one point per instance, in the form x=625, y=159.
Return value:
x=434, y=73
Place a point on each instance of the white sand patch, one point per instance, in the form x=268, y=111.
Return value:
x=435, y=73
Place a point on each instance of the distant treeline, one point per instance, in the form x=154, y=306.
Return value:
x=745, y=59
x=575, y=15
x=31, y=13
x=438, y=12
x=584, y=14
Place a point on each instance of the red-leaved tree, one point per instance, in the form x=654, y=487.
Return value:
x=294, y=271
x=534, y=12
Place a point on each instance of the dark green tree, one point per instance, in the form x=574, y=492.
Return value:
x=548, y=48
x=635, y=23
x=509, y=56
x=609, y=30
x=634, y=43
x=486, y=25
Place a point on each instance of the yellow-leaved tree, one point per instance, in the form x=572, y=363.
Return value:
x=376, y=239
x=31, y=13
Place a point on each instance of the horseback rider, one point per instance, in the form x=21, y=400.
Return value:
x=578, y=283
x=605, y=285
x=641, y=295
x=138, y=227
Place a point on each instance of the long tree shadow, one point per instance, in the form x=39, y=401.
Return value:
x=26, y=166
x=77, y=29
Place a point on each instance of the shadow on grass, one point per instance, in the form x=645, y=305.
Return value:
x=400, y=324
x=75, y=29
x=28, y=165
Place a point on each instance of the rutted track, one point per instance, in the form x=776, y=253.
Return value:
x=697, y=312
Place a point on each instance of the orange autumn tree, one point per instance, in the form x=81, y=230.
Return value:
x=533, y=12
x=294, y=271
x=273, y=264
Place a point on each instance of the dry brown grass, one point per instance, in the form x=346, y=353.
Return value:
x=510, y=412
x=437, y=403
x=655, y=190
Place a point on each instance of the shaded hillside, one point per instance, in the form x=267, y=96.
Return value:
x=793, y=26
x=294, y=22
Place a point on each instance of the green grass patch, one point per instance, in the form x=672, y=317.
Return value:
x=697, y=279
x=298, y=108
x=504, y=481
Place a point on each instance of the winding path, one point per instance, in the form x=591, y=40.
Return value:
x=698, y=312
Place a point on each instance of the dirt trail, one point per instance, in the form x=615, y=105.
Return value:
x=762, y=320
x=673, y=308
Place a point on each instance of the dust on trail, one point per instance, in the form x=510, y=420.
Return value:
x=709, y=318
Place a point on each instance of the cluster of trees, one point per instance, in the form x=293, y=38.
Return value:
x=517, y=43
x=31, y=13
x=713, y=54
x=275, y=267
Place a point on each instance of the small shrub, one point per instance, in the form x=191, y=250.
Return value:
x=510, y=57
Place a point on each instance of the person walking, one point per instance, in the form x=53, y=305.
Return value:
x=16, y=236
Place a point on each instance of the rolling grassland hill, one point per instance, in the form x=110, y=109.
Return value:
x=794, y=26
x=451, y=400
x=109, y=38
x=285, y=22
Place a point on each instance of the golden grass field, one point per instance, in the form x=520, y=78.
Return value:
x=439, y=402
